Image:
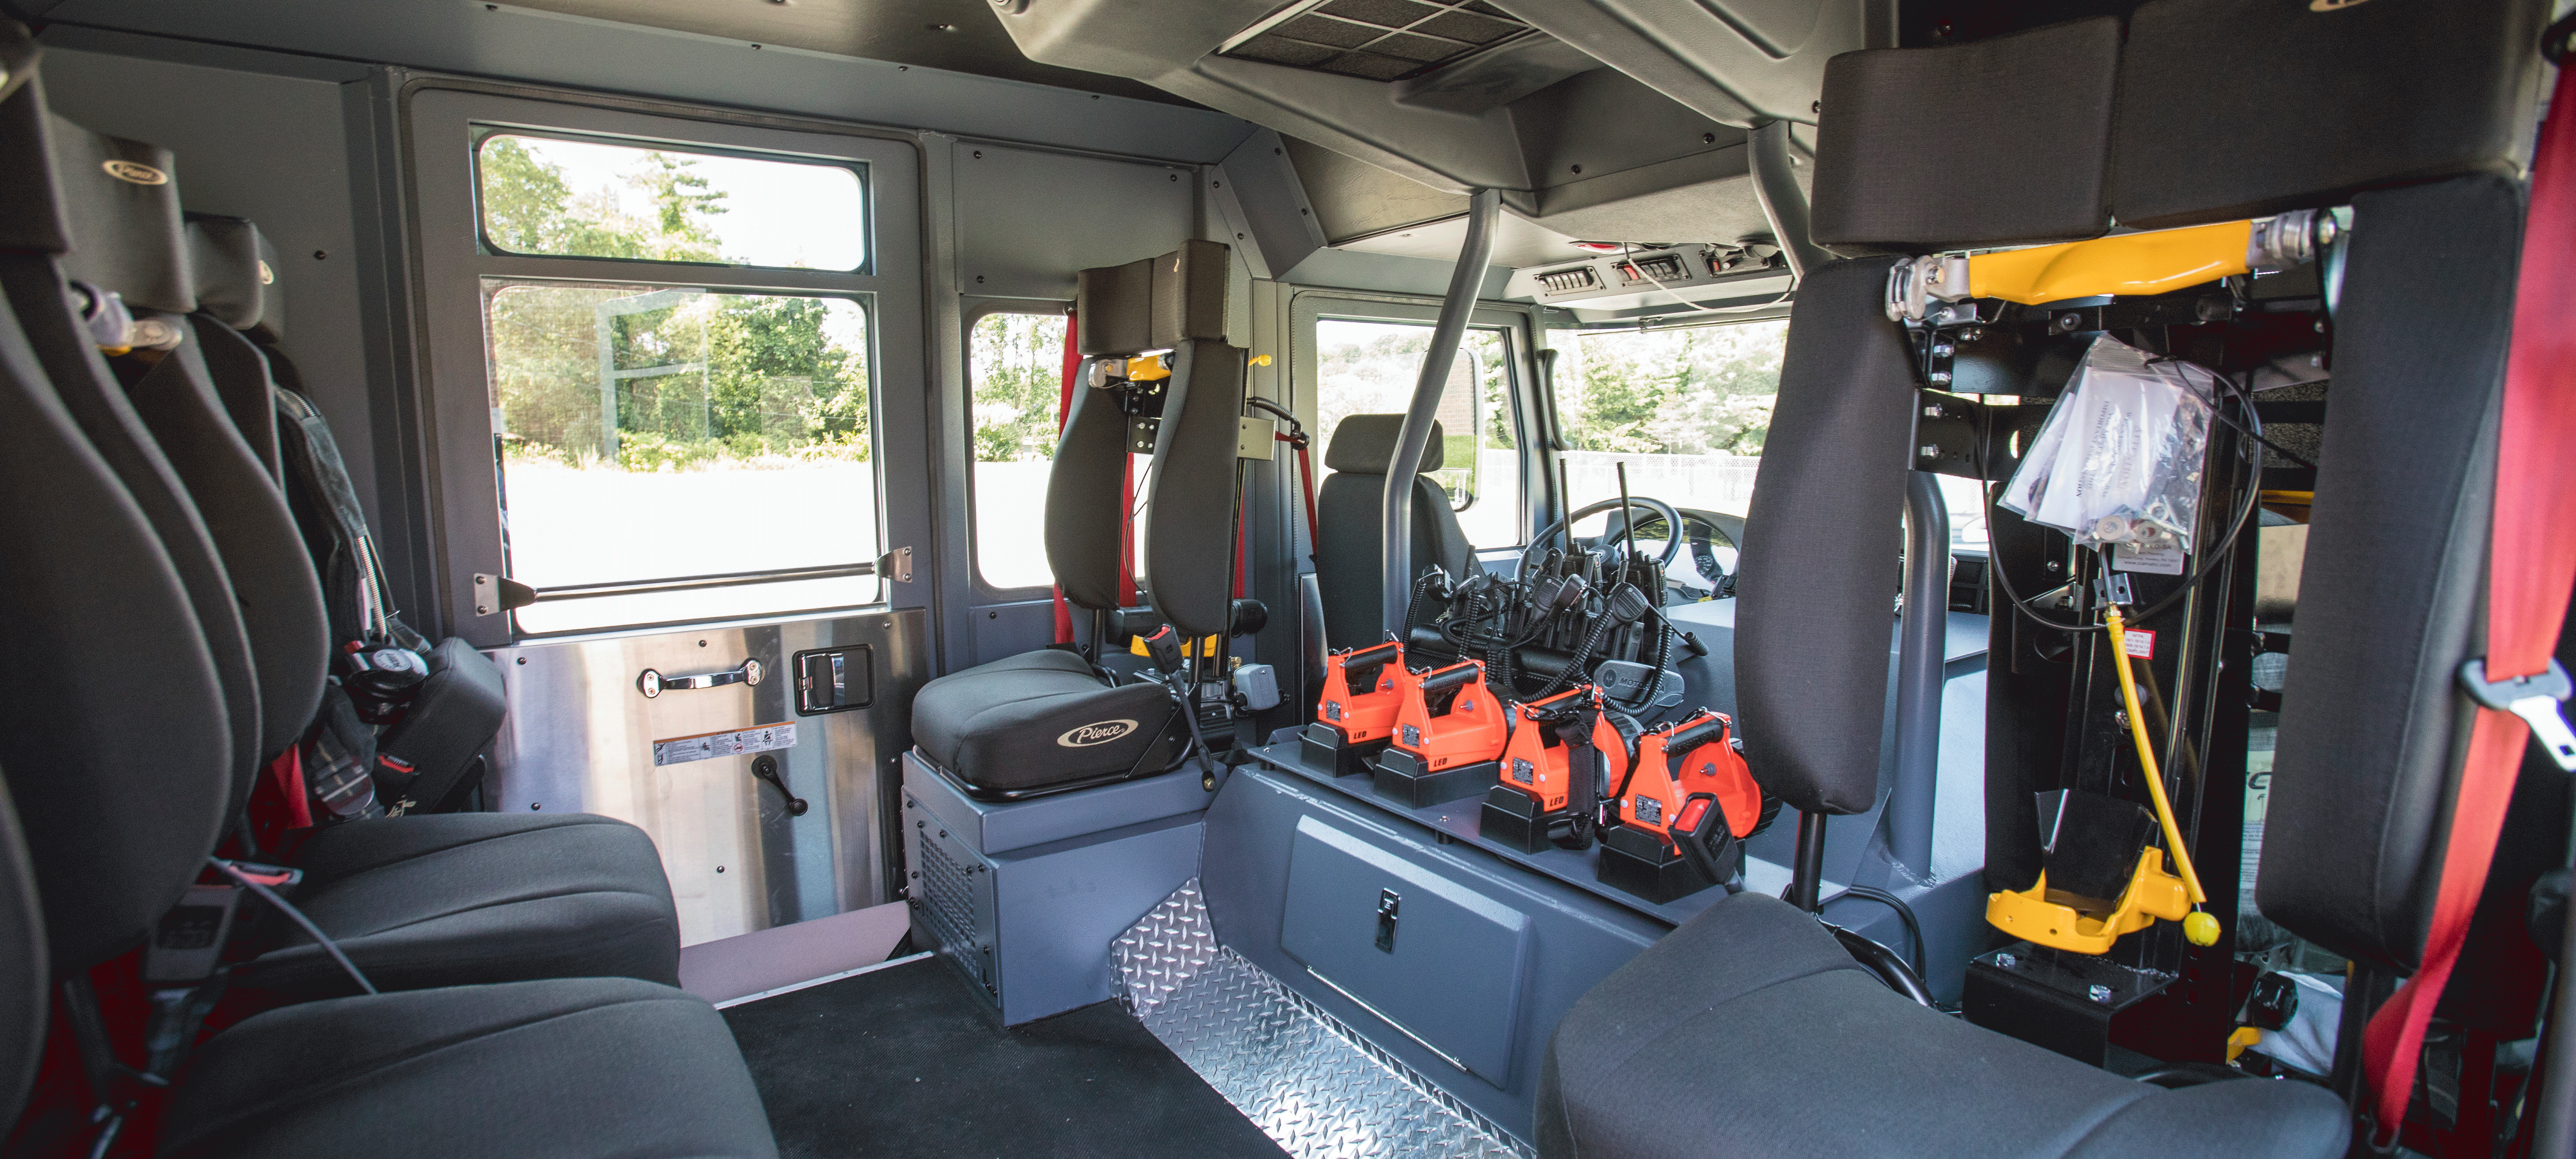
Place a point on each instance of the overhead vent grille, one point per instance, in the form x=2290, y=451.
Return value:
x=1569, y=280
x=1376, y=39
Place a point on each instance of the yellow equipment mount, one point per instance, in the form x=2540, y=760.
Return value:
x=2062, y=922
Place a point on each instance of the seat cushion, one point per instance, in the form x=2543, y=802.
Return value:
x=1750, y=1025
x=563, y=1068
x=1039, y=719
x=461, y=898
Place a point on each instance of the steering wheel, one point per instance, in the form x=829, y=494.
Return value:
x=1672, y=517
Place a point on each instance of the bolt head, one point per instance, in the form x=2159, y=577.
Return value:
x=2006, y=961
x=1930, y=450
x=2100, y=993
x=1943, y=350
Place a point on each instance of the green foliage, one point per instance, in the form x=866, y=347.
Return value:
x=750, y=377
x=1018, y=363
x=1697, y=391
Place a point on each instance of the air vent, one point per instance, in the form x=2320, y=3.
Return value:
x=1568, y=281
x=1661, y=267
x=1376, y=39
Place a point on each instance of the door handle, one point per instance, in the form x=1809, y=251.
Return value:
x=652, y=683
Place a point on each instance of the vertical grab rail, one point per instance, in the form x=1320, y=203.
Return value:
x=1922, y=643
x=1396, y=516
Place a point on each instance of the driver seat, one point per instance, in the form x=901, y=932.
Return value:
x=1350, y=508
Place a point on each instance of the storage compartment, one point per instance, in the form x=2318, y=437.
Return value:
x=1438, y=961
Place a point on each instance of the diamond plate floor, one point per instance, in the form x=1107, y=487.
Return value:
x=1298, y=1073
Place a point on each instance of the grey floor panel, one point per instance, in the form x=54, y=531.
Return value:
x=1298, y=1073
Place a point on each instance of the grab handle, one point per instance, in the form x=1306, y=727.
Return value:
x=652, y=683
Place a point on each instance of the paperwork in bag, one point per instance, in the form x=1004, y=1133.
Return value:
x=2117, y=465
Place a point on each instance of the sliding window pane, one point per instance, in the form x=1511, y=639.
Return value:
x=573, y=198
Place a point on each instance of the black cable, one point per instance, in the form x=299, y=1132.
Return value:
x=2209, y=560
x=1904, y=913
x=297, y=916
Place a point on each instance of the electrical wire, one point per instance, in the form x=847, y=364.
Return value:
x=2209, y=560
x=1904, y=913
x=297, y=916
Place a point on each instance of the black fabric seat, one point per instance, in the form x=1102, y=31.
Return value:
x=1749, y=1030
x=115, y=740
x=1350, y=510
x=417, y=901
x=589, y=1068
x=1041, y=718
x=459, y=898
x=1053, y=720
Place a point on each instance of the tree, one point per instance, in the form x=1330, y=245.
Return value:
x=1694, y=391
x=1019, y=382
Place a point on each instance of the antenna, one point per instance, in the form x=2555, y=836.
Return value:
x=1565, y=491
x=1628, y=517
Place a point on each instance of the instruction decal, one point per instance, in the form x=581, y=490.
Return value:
x=740, y=742
x=2138, y=643
x=2166, y=559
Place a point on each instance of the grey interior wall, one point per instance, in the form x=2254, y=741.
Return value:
x=270, y=148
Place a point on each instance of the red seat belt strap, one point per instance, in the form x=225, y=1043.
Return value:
x=2531, y=566
x=1063, y=411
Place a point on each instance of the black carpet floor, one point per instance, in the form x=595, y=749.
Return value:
x=906, y=1062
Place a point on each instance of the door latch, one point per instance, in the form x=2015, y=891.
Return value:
x=1387, y=901
x=652, y=683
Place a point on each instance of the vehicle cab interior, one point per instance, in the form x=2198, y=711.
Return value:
x=1562, y=579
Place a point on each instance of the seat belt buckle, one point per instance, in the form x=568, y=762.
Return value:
x=2534, y=698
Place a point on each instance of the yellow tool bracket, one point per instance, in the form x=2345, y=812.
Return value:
x=2155, y=262
x=2152, y=893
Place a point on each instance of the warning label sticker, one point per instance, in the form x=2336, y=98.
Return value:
x=2165, y=560
x=705, y=746
x=2139, y=644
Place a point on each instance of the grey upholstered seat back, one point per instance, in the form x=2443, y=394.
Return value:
x=1350, y=508
x=113, y=730
x=128, y=237
x=1189, y=531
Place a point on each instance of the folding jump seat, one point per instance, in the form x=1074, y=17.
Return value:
x=116, y=765
x=415, y=900
x=1748, y=1028
x=1054, y=720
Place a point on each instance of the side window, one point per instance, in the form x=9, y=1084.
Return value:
x=1365, y=367
x=671, y=451
x=1687, y=409
x=1015, y=367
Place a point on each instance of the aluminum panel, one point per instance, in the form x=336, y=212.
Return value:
x=580, y=738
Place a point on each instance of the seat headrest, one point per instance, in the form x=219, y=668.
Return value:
x=1365, y=444
x=1154, y=304
x=1986, y=143
x=2230, y=110
x=235, y=266
x=122, y=201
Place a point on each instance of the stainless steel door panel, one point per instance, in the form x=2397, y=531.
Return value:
x=580, y=738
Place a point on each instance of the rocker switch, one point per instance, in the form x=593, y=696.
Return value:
x=1387, y=901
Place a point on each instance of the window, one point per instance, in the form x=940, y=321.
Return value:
x=1687, y=409
x=1372, y=367
x=1017, y=367
x=576, y=198
x=652, y=430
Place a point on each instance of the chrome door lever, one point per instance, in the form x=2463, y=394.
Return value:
x=652, y=683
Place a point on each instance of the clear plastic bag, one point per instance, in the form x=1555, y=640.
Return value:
x=2117, y=466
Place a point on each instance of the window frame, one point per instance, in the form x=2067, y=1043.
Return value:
x=460, y=462
x=975, y=311
x=1520, y=324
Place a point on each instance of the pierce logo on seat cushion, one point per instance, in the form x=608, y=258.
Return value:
x=134, y=171
x=1099, y=732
